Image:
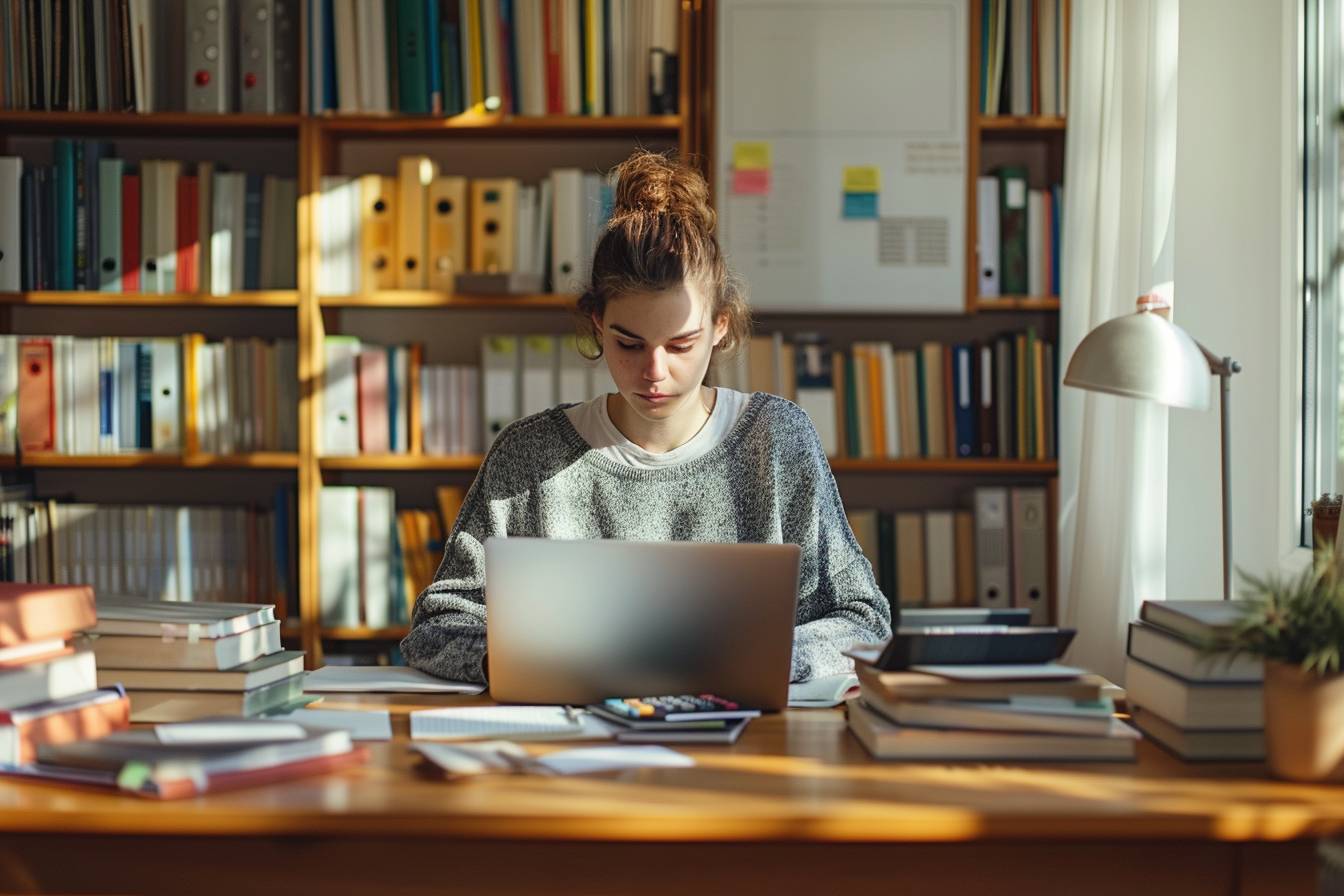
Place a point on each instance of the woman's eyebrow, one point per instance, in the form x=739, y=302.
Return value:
x=687, y=335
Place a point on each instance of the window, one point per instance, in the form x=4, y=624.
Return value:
x=1322, y=260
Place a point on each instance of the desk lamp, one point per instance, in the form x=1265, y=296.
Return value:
x=1145, y=355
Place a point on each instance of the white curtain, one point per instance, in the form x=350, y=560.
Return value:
x=1118, y=217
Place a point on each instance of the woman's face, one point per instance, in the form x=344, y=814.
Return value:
x=658, y=348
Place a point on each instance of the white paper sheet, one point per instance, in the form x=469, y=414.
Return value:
x=227, y=732
x=1003, y=672
x=382, y=680
x=512, y=722
x=363, y=724
x=829, y=690
x=610, y=759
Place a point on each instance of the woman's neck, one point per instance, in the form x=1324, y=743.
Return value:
x=662, y=436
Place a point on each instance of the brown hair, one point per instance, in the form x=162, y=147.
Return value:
x=661, y=233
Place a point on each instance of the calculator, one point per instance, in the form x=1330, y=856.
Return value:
x=672, y=708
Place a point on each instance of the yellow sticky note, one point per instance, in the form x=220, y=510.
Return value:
x=751, y=156
x=862, y=179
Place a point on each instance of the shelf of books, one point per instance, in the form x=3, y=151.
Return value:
x=305, y=357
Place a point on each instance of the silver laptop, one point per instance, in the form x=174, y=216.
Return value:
x=581, y=621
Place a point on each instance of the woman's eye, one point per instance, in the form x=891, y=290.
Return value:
x=628, y=346
x=679, y=349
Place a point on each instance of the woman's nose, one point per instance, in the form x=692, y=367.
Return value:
x=655, y=366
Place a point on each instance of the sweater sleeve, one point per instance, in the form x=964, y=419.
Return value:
x=839, y=602
x=447, y=636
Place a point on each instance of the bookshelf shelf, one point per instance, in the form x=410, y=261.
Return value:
x=946, y=465
x=392, y=633
x=422, y=298
x=262, y=460
x=278, y=298
x=470, y=463
x=383, y=126
x=154, y=124
x=1044, y=123
x=1017, y=303
x=394, y=462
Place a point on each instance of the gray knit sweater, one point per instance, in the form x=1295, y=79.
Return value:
x=767, y=481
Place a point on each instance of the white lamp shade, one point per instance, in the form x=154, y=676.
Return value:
x=1142, y=355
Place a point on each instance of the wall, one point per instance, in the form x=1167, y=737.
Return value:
x=1235, y=282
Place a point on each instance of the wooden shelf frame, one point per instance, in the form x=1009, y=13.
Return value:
x=271, y=298
x=259, y=460
x=428, y=298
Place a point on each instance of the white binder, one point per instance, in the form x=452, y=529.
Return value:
x=500, y=388
x=377, y=522
x=539, y=374
x=338, y=236
x=1031, y=587
x=987, y=235
x=11, y=254
x=340, y=397
x=109, y=224
x=86, y=404
x=992, y=552
x=338, y=555
x=568, y=262
x=166, y=402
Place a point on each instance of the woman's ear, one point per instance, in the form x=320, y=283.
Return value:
x=720, y=329
x=597, y=326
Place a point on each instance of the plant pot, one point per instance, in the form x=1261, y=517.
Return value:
x=1304, y=723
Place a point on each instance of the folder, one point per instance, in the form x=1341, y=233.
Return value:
x=965, y=526
x=158, y=224
x=84, y=391
x=964, y=411
x=399, y=397
x=448, y=224
x=1012, y=231
x=340, y=397
x=539, y=374
x=500, y=374
x=377, y=232
x=568, y=251
x=166, y=400
x=226, y=236
x=109, y=225
x=132, y=257
x=11, y=173
x=377, y=519
x=338, y=235
x=940, y=558
x=987, y=428
x=374, y=434
x=992, y=549
x=414, y=175
x=911, y=587
x=494, y=224
x=338, y=555
x=205, y=199
x=987, y=235
x=816, y=391
x=1030, y=557
x=187, y=245
x=934, y=395
x=37, y=400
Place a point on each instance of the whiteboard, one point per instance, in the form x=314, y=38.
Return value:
x=833, y=84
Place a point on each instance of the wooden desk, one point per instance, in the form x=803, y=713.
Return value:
x=795, y=807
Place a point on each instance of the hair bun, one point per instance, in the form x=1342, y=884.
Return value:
x=648, y=183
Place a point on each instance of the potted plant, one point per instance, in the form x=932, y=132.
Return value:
x=1296, y=624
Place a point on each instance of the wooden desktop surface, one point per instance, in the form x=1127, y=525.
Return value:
x=797, y=803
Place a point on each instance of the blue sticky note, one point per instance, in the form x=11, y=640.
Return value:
x=859, y=206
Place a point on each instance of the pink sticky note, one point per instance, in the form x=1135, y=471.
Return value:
x=751, y=182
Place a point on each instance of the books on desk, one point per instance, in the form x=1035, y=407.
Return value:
x=914, y=715
x=148, y=762
x=181, y=660
x=1198, y=705
x=49, y=692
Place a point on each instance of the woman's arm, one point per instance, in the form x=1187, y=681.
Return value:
x=839, y=601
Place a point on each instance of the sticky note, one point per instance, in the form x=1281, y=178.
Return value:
x=859, y=206
x=862, y=179
x=751, y=183
x=751, y=155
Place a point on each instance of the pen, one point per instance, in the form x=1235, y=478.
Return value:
x=572, y=714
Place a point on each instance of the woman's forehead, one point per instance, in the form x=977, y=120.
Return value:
x=658, y=315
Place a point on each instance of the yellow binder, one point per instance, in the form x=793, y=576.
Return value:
x=494, y=215
x=414, y=174
x=447, y=231
x=378, y=232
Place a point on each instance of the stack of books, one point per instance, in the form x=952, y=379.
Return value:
x=49, y=693
x=187, y=759
x=182, y=661
x=1197, y=704
x=971, y=713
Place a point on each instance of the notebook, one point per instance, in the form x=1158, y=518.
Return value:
x=511, y=722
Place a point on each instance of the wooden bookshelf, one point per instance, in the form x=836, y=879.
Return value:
x=394, y=462
x=1042, y=123
x=428, y=298
x=262, y=460
x=391, y=633
x=381, y=127
x=151, y=124
x=1016, y=303
x=278, y=298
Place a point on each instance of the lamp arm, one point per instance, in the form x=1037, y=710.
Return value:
x=1224, y=367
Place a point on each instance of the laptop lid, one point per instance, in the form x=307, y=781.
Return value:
x=581, y=621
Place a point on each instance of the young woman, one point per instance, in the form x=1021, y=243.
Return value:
x=666, y=457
